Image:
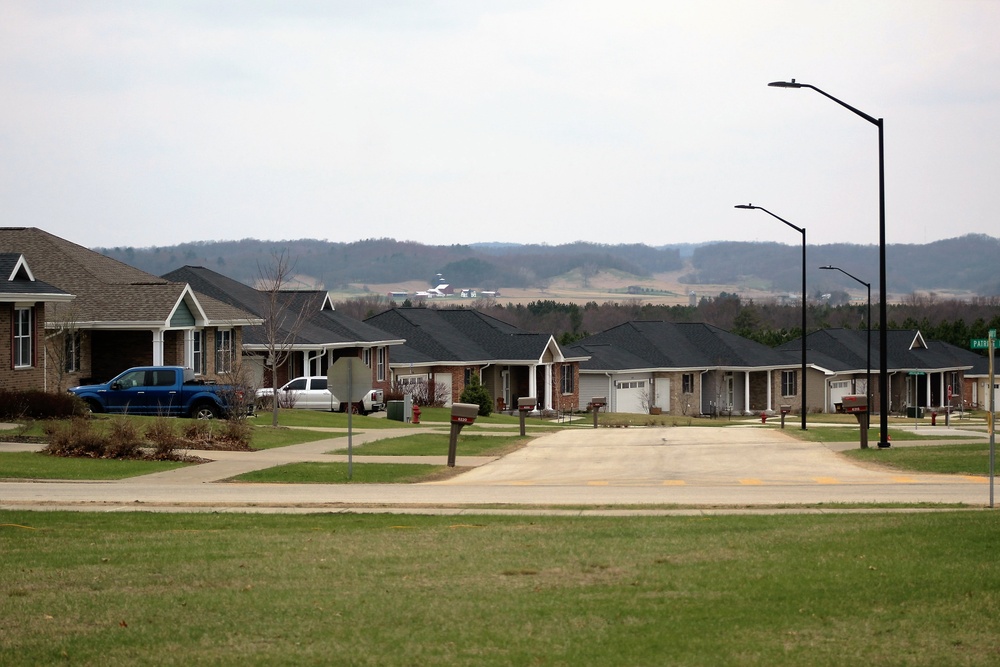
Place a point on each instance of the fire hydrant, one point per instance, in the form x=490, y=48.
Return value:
x=416, y=414
x=933, y=418
x=763, y=418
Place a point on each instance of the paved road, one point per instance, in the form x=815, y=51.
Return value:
x=734, y=466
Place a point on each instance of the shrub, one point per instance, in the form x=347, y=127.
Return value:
x=123, y=440
x=198, y=431
x=163, y=436
x=37, y=404
x=75, y=438
x=475, y=392
x=238, y=433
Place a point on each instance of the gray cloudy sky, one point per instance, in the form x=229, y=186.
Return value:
x=158, y=122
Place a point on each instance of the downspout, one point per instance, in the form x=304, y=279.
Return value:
x=611, y=394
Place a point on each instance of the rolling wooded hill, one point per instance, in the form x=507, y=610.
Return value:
x=966, y=264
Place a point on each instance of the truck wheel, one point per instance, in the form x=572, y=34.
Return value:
x=93, y=406
x=204, y=411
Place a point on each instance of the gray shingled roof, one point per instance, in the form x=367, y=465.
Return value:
x=444, y=335
x=323, y=328
x=107, y=290
x=16, y=282
x=665, y=345
x=844, y=350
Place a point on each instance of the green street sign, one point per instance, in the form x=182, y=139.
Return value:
x=916, y=373
x=979, y=343
x=993, y=333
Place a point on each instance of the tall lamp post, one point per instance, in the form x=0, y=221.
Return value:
x=868, y=361
x=801, y=230
x=883, y=371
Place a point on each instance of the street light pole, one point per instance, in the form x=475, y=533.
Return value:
x=883, y=337
x=801, y=230
x=868, y=360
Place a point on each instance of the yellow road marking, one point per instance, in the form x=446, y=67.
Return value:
x=976, y=478
x=598, y=483
x=826, y=480
x=674, y=482
x=751, y=482
x=903, y=480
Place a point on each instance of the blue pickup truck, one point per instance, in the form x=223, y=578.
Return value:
x=167, y=391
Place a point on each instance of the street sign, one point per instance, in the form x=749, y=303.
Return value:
x=349, y=379
x=993, y=333
x=916, y=373
x=979, y=343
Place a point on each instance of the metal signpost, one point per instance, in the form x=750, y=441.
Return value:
x=348, y=376
x=990, y=344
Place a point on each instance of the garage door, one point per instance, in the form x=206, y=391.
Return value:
x=838, y=390
x=630, y=395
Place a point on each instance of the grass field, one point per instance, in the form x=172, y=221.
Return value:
x=224, y=589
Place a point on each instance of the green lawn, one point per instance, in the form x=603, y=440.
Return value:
x=436, y=444
x=336, y=473
x=32, y=465
x=230, y=589
x=969, y=458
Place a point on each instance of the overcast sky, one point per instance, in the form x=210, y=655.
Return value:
x=142, y=123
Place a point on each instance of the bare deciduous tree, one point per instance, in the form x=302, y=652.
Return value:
x=283, y=316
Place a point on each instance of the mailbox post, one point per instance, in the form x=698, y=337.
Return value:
x=857, y=405
x=524, y=406
x=461, y=414
x=785, y=409
x=597, y=403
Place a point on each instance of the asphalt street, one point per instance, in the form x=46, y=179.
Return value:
x=613, y=469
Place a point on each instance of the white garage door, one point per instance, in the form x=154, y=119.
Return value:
x=630, y=395
x=838, y=390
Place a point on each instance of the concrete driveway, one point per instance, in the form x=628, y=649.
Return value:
x=732, y=466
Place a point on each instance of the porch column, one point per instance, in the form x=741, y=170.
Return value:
x=548, y=386
x=927, y=382
x=189, y=348
x=746, y=392
x=533, y=381
x=769, y=379
x=157, y=347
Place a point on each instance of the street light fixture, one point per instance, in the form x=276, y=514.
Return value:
x=868, y=362
x=883, y=373
x=801, y=230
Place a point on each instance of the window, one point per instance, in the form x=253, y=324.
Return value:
x=631, y=384
x=225, y=351
x=366, y=356
x=467, y=377
x=72, y=351
x=381, y=364
x=687, y=383
x=567, y=379
x=198, y=352
x=788, y=383
x=23, y=337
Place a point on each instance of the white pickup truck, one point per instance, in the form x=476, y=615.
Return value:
x=311, y=393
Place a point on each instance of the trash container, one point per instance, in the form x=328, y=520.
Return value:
x=394, y=410
x=914, y=412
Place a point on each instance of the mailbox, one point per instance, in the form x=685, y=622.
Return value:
x=785, y=409
x=464, y=413
x=527, y=404
x=855, y=403
x=596, y=403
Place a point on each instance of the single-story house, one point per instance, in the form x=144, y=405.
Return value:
x=311, y=342
x=921, y=372
x=120, y=316
x=445, y=347
x=684, y=369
